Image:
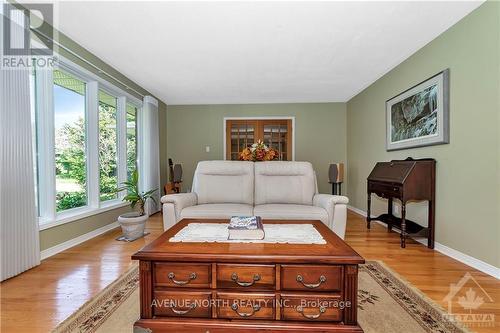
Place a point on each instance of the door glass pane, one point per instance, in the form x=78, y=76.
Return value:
x=108, y=180
x=283, y=134
x=131, y=139
x=70, y=154
x=242, y=137
x=267, y=134
x=271, y=136
x=275, y=136
x=234, y=138
x=250, y=134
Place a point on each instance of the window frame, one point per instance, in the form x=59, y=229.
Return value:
x=44, y=100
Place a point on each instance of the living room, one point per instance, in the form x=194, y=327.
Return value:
x=347, y=128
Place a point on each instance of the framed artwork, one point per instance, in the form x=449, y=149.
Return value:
x=419, y=116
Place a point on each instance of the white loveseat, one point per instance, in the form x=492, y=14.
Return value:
x=272, y=190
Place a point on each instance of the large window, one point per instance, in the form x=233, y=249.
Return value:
x=86, y=142
x=108, y=161
x=69, y=143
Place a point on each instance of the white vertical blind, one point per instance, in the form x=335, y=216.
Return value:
x=150, y=161
x=19, y=235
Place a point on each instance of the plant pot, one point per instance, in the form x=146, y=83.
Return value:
x=132, y=224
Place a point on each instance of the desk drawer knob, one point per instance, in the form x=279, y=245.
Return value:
x=255, y=308
x=234, y=277
x=321, y=309
x=322, y=279
x=171, y=276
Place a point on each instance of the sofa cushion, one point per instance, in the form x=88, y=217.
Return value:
x=224, y=182
x=283, y=182
x=217, y=211
x=291, y=212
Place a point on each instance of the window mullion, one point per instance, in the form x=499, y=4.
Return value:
x=140, y=145
x=92, y=144
x=121, y=128
x=46, y=137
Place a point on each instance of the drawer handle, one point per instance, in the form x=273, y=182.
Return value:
x=255, y=308
x=322, y=279
x=321, y=309
x=256, y=277
x=183, y=312
x=171, y=276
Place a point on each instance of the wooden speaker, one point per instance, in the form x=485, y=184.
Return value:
x=336, y=173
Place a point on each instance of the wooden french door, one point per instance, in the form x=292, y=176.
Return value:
x=275, y=133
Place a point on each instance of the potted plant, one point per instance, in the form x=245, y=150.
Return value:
x=133, y=223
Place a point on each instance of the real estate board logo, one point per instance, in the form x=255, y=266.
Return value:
x=27, y=35
x=465, y=299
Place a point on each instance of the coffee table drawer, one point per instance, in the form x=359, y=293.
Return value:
x=311, y=308
x=182, y=275
x=309, y=277
x=255, y=277
x=245, y=306
x=182, y=304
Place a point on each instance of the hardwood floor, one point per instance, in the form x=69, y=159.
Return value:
x=39, y=299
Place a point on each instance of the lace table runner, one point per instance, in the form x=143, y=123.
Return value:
x=275, y=233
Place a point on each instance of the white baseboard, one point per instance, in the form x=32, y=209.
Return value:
x=448, y=251
x=75, y=241
x=357, y=210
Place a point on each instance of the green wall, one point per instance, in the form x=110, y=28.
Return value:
x=319, y=133
x=468, y=176
x=64, y=232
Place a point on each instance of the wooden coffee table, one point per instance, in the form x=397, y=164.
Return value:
x=246, y=287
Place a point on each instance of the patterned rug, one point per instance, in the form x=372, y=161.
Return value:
x=386, y=304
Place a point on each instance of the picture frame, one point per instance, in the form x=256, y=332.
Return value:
x=419, y=116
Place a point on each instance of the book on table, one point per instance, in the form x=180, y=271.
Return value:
x=246, y=228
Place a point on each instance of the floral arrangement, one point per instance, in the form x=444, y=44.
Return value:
x=258, y=152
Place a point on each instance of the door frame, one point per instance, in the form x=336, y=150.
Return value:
x=258, y=118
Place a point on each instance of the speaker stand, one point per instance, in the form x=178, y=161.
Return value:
x=337, y=188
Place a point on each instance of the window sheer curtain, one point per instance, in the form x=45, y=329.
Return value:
x=19, y=234
x=150, y=178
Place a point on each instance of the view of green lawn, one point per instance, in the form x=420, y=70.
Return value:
x=68, y=185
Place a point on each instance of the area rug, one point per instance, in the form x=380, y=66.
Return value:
x=386, y=304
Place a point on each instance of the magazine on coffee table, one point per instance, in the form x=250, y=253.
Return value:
x=245, y=227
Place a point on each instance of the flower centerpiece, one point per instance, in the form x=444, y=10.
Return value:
x=258, y=152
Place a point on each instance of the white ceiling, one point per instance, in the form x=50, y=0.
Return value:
x=256, y=52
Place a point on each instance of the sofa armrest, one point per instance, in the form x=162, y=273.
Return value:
x=184, y=199
x=173, y=204
x=336, y=207
x=321, y=200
